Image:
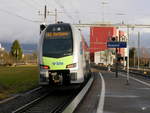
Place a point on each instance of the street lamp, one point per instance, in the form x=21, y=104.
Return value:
x=128, y=54
x=138, y=50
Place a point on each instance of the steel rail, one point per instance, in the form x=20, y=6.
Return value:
x=60, y=107
x=18, y=95
x=30, y=104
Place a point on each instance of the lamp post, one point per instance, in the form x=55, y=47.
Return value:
x=134, y=52
x=138, y=50
x=128, y=55
x=134, y=57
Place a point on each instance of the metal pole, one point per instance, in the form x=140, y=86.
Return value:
x=109, y=62
x=55, y=15
x=124, y=65
x=149, y=63
x=45, y=13
x=116, y=63
x=128, y=55
x=134, y=49
x=138, y=50
x=134, y=58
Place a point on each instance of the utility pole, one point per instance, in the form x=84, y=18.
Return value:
x=134, y=49
x=46, y=13
x=138, y=50
x=117, y=56
x=116, y=62
x=134, y=56
x=128, y=55
x=55, y=15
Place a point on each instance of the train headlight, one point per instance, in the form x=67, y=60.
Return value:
x=44, y=74
x=44, y=67
x=71, y=65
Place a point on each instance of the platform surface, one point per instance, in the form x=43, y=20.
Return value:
x=119, y=97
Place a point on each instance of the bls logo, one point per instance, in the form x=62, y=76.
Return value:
x=57, y=63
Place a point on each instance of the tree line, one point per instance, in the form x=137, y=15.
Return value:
x=142, y=56
x=15, y=56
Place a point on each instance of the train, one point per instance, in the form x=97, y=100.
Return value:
x=63, y=55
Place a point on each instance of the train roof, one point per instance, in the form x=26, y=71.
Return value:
x=58, y=24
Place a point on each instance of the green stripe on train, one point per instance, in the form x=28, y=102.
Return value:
x=57, y=63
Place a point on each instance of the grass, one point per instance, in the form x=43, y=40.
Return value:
x=17, y=79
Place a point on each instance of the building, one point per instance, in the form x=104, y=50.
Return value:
x=99, y=36
x=104, y=58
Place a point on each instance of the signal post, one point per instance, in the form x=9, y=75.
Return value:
x=116, y=44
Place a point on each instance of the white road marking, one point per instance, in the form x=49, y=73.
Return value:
x=122, y=96
x=102, y=97
x=142, y=82
x=146, y=88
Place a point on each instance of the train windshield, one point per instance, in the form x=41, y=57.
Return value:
x=58, y=41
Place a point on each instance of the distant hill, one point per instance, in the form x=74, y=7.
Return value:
x=27, y=48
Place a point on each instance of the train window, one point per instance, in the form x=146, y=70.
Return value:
x=58, y=41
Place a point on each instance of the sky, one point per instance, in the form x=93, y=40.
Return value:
x=20, y=18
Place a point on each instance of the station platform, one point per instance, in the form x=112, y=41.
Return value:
x=119, y=97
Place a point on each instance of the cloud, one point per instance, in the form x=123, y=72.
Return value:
x=87, y=11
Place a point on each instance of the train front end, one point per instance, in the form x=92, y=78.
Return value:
x=57, y=56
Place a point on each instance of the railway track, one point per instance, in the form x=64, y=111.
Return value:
x=28, y=105
x=141, y=72
x=10, y=104
x=138, y=72
x=49, y=103
x=56, y=101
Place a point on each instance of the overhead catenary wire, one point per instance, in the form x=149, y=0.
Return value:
x=75, y=12
x=19, y=16
x=36, y=3
x=64, y=10
x=29, y=4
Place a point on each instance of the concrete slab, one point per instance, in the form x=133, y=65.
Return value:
x=90, y=101
x=119, y=97
x=122, y=98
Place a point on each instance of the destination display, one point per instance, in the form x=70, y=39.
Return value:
x=56, y=34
